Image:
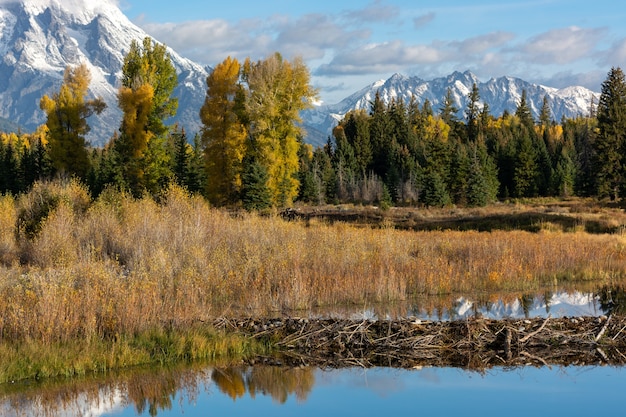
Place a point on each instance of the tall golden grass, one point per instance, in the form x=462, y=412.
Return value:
x=116, y=266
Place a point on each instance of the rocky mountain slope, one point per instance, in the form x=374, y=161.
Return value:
x=40, y=38
x=501, y=94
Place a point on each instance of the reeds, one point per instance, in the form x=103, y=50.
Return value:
x=117, y=266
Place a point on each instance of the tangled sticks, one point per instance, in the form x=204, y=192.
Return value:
x=474, y=343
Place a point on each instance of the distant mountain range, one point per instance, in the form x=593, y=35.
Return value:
x=501, y=94
x=40, y=38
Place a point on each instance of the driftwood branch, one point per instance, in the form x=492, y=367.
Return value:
x=606, y=324
x=536, y=332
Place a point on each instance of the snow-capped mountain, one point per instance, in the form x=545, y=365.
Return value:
x=500, y=94
x=40, y=38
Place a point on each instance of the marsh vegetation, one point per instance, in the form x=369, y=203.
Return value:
x=93, y=284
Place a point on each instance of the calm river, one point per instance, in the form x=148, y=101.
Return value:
x=268, y=391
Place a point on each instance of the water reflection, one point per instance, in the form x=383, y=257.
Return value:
x=333, y=392
x=276, y=382
x=148, y=391
x=613, y=299
x=175, y=390
x=493, y=306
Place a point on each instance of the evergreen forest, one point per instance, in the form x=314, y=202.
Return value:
x=251, y=153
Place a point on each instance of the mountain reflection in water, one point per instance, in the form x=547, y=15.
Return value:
x=491, y=306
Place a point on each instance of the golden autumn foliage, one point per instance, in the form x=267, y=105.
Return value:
x=146, y=100
x=136, y=105
x=67, y=112
x=223, y=134
x=435, y=129
x=277, y=91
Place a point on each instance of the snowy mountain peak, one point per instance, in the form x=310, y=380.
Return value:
x=40, y=38
x=81, y=11
x=502, y=94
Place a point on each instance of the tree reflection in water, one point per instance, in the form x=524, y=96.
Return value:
x=613, y=299
x=277, y=382
x=151, y=391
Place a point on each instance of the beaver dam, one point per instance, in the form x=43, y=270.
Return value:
x=474, y=343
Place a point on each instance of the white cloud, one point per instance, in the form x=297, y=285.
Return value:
x=483, y=43
x=381, y=57
x=616, y=56
x=562, y=46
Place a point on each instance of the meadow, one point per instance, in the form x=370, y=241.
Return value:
x=88, y=285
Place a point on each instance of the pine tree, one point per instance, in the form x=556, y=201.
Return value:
x=610, y=143
x=472, y=114
x=448, y=111
x=477, y=186
x=524, y=113
x=380, y=136
x=182, y=156
x=525, y=168
x=460, y=166
x=356, y=129
x=309, y=191
x=9, y=169
x=435, y=193
x=67, y=112
x=255, y=194
x=545, y=116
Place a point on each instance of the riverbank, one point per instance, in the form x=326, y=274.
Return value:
x=33, y=360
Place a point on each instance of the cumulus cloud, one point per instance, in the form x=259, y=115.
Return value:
x=314, y=34
x=591, y=80
x=209, y=41
x=381, y=57
x=483, y=43
x=562, y=46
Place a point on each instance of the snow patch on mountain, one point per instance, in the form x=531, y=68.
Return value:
x=40, y=38
x=501, y=94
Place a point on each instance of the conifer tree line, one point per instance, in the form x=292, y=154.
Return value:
x=250, y=151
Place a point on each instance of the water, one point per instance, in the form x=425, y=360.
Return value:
x=262, y=390
x=492, y=306
x=570, y=391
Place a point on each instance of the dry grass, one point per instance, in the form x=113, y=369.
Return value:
x=119, y=266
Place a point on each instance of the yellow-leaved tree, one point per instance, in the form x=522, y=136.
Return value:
x=67, y=112
x=146, y=100
x=277, y=91
x=223, y=133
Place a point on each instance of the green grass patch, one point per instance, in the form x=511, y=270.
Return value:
x=31, y=360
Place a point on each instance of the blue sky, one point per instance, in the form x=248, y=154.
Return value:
x=350, y=44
